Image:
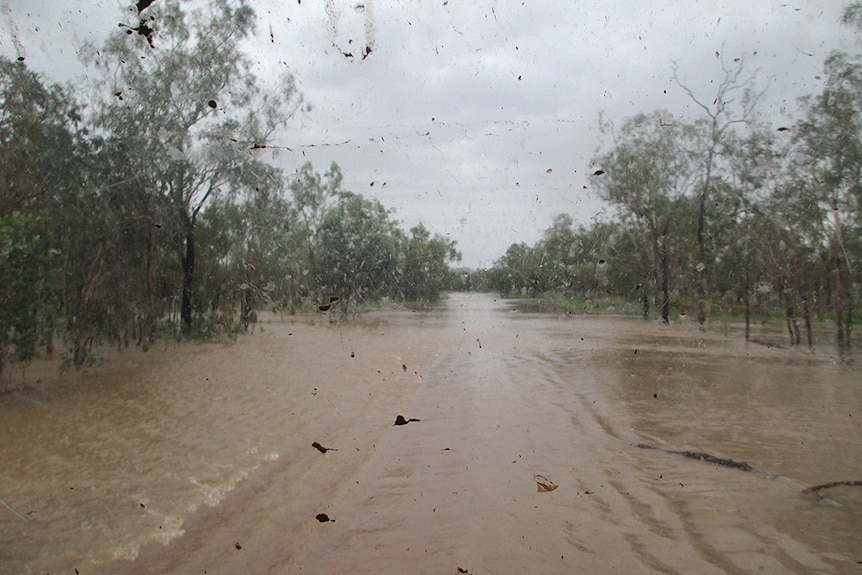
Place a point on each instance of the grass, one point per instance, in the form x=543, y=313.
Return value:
x=578, y=304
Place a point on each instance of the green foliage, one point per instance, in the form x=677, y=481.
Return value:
x=424, y=265
x=27, y=275
x=198, y=224
x=358, y=255
x=713, y=213
x=198, y=110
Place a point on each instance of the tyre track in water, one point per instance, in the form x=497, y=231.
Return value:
x=628, y=523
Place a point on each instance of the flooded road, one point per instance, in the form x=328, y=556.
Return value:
x=193, y=462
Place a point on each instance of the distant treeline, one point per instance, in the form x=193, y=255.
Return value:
x=140, y=203
x=724, y=210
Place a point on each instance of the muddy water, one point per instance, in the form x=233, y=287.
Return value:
x=202, y=462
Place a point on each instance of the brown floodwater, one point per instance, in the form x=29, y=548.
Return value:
x=198, y=458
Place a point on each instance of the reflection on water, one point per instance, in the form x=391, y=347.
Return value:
x=100, y=466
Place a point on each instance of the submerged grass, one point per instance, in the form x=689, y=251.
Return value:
x=773, y=319
x=577, y=304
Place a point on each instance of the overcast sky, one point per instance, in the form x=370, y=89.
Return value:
x=480, y=118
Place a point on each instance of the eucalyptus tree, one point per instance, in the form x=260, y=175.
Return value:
x=269, y=248
x=221, y=235
x=519, y=270
x=186, y=99
x=41, y=142
x=245, y=241
x=647, y=175
x=604, y=259
x=357, y=253
x=423, y=265
x=559, y=246
x=27, y=276
x=732, y=103
x=312, y=196
x=829, y=139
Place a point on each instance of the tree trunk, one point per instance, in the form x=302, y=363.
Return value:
x=789, y=313
x=747, y=301
x=838, y=304
x=665, y=280
x=703, y=284
x=49, y=346
x=246, y=306
x=150, y=312
x=645, y=301
x=806, y=314
x=792, y=326
x=188, y=262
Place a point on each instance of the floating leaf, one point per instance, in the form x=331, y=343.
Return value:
x=401, y=420
x=543, y=484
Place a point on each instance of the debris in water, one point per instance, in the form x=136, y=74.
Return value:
x=238, y=546
x=322, y=449
x=323, y=517
x=18, y=515
x=399, y=420
x=143, y=5
x=543, y=484
x=143, y=29
x=830, y=485
x=700, y=456
x=326, y=307
x=598, y=172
